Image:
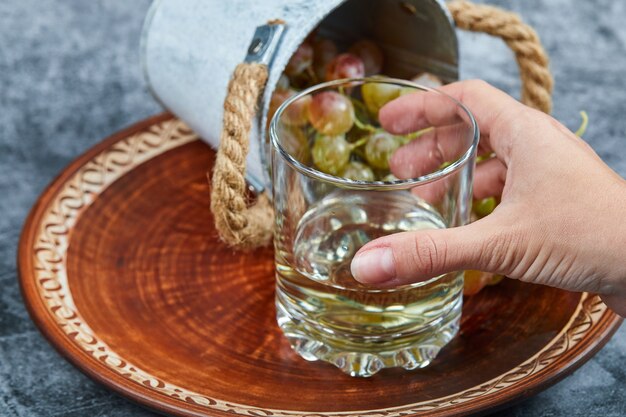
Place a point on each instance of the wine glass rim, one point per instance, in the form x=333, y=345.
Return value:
x=369, y=185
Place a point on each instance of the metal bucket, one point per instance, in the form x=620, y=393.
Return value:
x=191, y=47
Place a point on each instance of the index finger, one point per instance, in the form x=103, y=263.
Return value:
x=488, y=105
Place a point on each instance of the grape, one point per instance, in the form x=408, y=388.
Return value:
x=427, y=80
x=283, y=83
x=358, y=171
x=495, y=279
x=390, y=178
x=331, y=153
x=484, y=207
x=296, y=114
x=376, y=95
x=345, y=66
x=295, y=143
x=300, y=60
x=379, y=148
x=475, y=281
x=278, y=97
x=424, y=79
x=370, y=54
x=324, y=50
x=331, y=113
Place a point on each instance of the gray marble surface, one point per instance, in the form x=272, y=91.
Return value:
x=70, y=75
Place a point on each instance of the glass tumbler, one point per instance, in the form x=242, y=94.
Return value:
x=341, y=180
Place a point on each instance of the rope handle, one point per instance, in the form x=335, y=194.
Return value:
x=244, y=226
x=238, y=225
x=531, y=58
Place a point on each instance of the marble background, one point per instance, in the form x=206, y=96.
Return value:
x=70, y=75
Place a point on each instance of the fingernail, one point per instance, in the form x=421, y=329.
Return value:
x=374, y=266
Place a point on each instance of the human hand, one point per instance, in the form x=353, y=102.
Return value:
x=561, y=217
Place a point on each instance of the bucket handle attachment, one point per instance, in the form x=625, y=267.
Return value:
x=244, y=226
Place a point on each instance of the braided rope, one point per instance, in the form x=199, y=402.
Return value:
x=237, y=224
x=531, y=58
x=244, y=227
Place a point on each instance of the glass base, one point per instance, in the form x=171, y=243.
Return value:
x=360, y=356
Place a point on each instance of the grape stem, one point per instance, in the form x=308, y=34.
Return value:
x=583, y=125
x=359, y=143
x=363, y=126
x=352, y=146
x=359, y=104
x=486, y=157
x=312, y=74
x=310, y=132
x=408, y=138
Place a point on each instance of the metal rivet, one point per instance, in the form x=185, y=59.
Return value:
x=255, y=46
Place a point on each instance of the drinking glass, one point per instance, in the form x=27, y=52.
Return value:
x=340, y=183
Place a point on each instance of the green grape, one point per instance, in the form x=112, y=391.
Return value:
x=424, y=79
x=358, y=171
x=379, y=148
x=331, y=153
x=427, y=80
x=331, y=113
x=484, y=207
x=390, y=178
x=376, y=95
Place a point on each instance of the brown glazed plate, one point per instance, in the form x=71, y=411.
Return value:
x=122, y=271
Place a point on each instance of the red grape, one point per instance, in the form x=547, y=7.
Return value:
x=282, y=83
x=278, y=97
x=370, y=54
x=324, y=50
x=295, y=142
x=300, y=60
x=331, y=113
x=296, y=114
x=345, y=66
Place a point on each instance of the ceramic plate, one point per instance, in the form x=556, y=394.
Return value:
x=122, y=271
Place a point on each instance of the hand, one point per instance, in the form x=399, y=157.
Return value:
x=561, y=221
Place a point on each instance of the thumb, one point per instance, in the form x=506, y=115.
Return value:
x=409, y=257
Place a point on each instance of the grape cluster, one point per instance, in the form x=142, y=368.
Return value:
x=337, y=130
